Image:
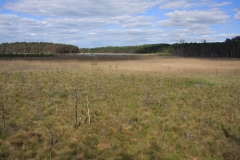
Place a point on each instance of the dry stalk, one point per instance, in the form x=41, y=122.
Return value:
x=3, y=114
x=3, y=117
x=105, y=91
x=6, y=77
x=76, y=110
x=51, y=143
x=22, y=78
x=187, y=135
x=163, y=134
x=89, y=117
x=146, y=97
x=238, y=153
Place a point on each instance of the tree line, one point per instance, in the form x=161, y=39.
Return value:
x=228, y=49
x=148, y=48
x=37, y=48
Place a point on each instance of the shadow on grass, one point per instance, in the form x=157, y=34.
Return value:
x=233, y=137
x=236, y=139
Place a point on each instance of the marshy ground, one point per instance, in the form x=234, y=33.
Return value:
x=127, y=107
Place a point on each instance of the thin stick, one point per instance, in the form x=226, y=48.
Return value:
x=89, y=117
x=3, y=114
x=163, y=133
x=76, y=110
x=3, y=118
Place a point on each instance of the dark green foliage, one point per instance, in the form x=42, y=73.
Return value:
x=148, y=48
x=11, y=55
x=228, y=49
x=35, y=49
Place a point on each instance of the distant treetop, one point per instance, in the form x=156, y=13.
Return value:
x=37, y=48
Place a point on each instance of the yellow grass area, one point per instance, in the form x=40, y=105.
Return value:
x=146, y=107
x=171, y=64
x=143, y=64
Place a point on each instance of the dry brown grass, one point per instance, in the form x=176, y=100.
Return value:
x=189, y=104
x=139, y=64
x=172, y=64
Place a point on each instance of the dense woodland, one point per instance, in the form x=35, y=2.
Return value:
x=36, y=48
x=228, y=49
x=148, y=48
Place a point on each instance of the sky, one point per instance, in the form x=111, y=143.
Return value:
x=98, y=23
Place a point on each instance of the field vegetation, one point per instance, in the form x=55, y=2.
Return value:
x=147, y=108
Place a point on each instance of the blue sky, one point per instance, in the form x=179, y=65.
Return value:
x=96, y=23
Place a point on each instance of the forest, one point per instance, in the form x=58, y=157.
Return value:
x=230, y=48
x=147, y=48
x=37, y=48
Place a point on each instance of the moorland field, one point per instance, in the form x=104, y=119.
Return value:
x=143, y=107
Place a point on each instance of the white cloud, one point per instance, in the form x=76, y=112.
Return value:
x=83, y=8
x=223, y=36
x=237, y=15
x=123, y=37
x=80, y=31
x=176, y=5
x=130, y=22
x=186, y=18
x=90, y=23
x=215, y=4
x=100, y=22
x=199, y=30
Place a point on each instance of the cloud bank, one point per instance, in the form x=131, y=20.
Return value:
x=113, y=23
